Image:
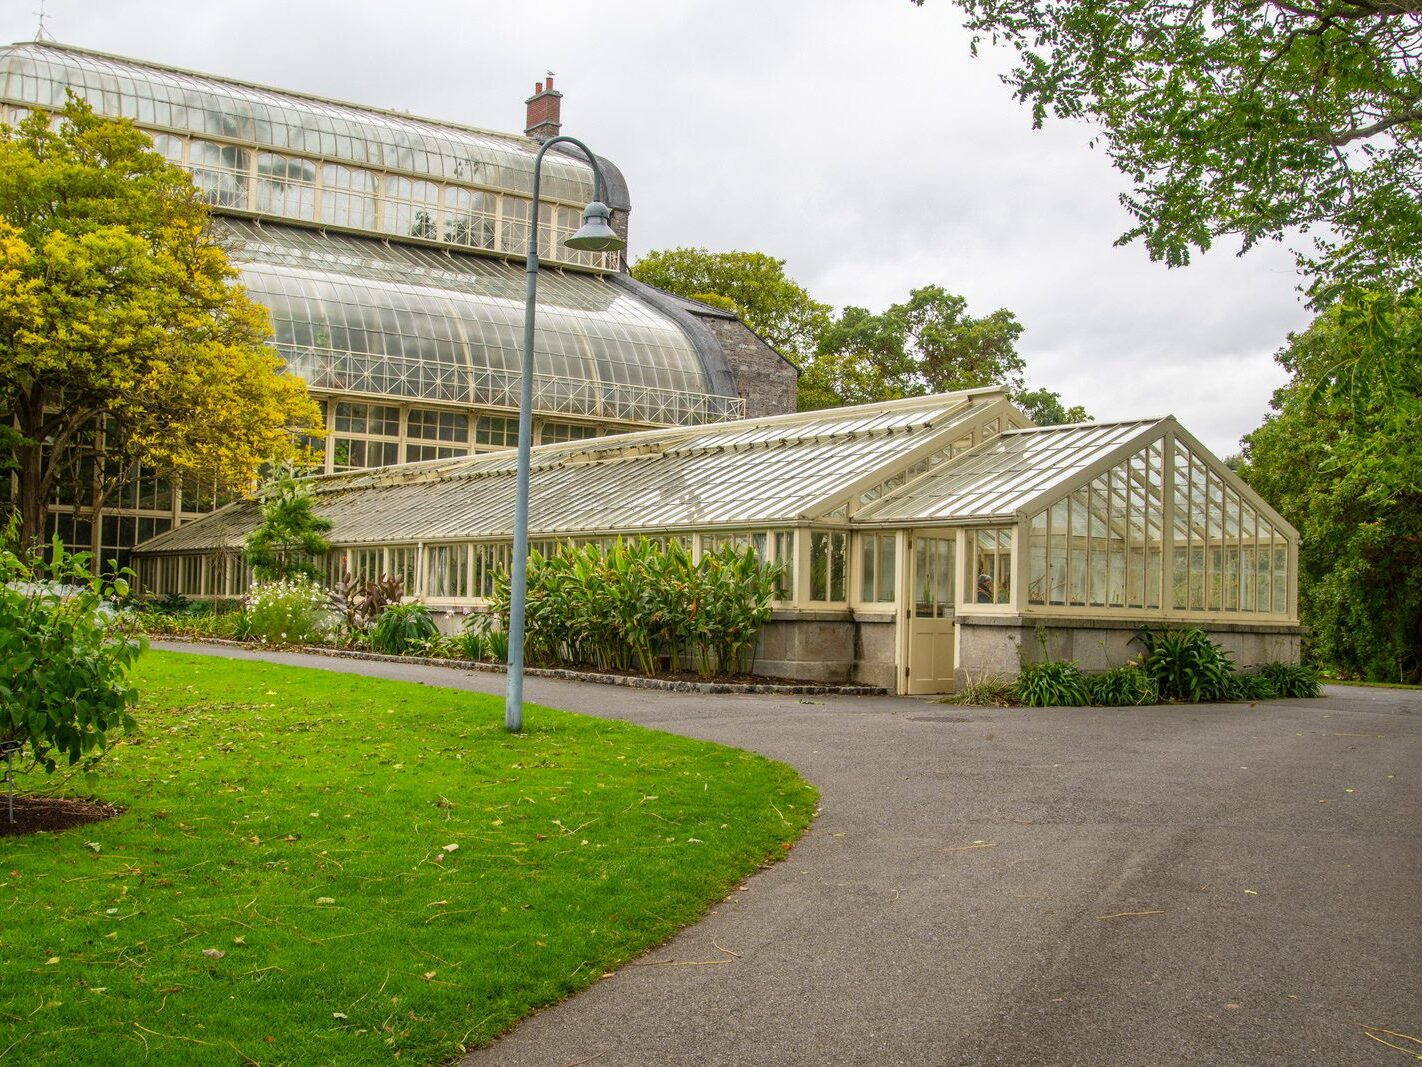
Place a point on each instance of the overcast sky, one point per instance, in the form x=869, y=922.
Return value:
x=857, y=140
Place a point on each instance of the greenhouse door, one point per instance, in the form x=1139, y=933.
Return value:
x=929, y=611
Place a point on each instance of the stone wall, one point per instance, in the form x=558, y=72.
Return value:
x=997, y=646
x=766, y=379
x=811, y=646
x=875, y=647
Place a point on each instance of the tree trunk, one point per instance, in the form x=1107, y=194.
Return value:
x=34, y=508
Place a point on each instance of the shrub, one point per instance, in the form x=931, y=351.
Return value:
x=1291, y=680
x=291, y=611
x=637, y=604
x=1186, y=664
x=64, y=663
x=360, y=601
x=474, y=638
x=498, y=646
x=402, y=628
x=1053, y=684
x=1122, y=687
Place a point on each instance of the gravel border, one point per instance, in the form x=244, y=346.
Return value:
x=632, y=681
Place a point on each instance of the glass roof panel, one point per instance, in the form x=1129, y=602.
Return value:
x=1004, y=474
x=360, y=315
x=39, y=73
x=644, y=482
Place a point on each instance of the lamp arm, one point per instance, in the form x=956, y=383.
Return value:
x=599, y=188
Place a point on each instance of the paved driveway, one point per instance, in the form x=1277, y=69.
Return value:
x=1184, y=885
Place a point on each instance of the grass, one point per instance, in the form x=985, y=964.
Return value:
x=384, y=871
x=1367, y=685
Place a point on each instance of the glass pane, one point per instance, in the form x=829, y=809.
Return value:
x=885, y=577
x=819, y=566
x=868, y=557
x=1037, y=559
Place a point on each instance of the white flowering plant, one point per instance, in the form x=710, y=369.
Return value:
x=289, y=611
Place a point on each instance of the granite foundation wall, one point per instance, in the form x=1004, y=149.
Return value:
x=996, y=647
x=809, y=646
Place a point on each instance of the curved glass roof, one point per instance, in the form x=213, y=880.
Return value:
x=358, y=315
x=165, y=98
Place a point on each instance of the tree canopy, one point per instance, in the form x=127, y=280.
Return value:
x=753, y=285
x=928, y=343
x=121, y=333
x=1347, y=471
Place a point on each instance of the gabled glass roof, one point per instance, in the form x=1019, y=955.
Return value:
x=1007, y=474
x=158, y=97
x=775, y=471
x=361, y=315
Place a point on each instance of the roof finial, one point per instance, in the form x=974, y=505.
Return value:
x=41, y=31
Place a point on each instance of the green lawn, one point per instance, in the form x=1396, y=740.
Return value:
x=385, y=872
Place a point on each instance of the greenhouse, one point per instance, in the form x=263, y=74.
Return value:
x=390, y=252
x=925, y=541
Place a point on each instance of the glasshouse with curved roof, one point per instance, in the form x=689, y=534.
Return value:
x=389, y=250
x=926, y=542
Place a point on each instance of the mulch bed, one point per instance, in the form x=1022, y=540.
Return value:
x=35, y=815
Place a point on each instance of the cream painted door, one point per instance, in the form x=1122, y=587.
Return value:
x=929, y=606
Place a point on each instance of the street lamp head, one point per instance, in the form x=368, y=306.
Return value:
x=595, y=235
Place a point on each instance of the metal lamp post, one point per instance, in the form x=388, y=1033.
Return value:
x=595, y=235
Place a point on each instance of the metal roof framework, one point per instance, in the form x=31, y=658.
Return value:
x=782, y=470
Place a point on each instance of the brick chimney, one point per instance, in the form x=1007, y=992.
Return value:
x=543, y=111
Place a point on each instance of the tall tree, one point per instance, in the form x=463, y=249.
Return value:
x=1045, y=408
x=927, y=344
x=120, y=328
x=1347, y=471
x=750, y=284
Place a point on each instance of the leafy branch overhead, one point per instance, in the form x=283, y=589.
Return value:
x=1259, y=120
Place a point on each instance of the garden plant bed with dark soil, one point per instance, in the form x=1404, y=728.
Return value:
x=35, y=815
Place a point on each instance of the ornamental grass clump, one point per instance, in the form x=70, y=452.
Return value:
x=1186, y=665
x=1053, y=684
x=1122, y=687
x=289, y=611
x=1291, y=680
x=644, y=606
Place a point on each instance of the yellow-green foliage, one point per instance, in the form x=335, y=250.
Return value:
x=117, y=304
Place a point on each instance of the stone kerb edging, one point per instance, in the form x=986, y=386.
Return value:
x=632, y=681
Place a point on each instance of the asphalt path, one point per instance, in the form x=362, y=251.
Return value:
x=1214, y=884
